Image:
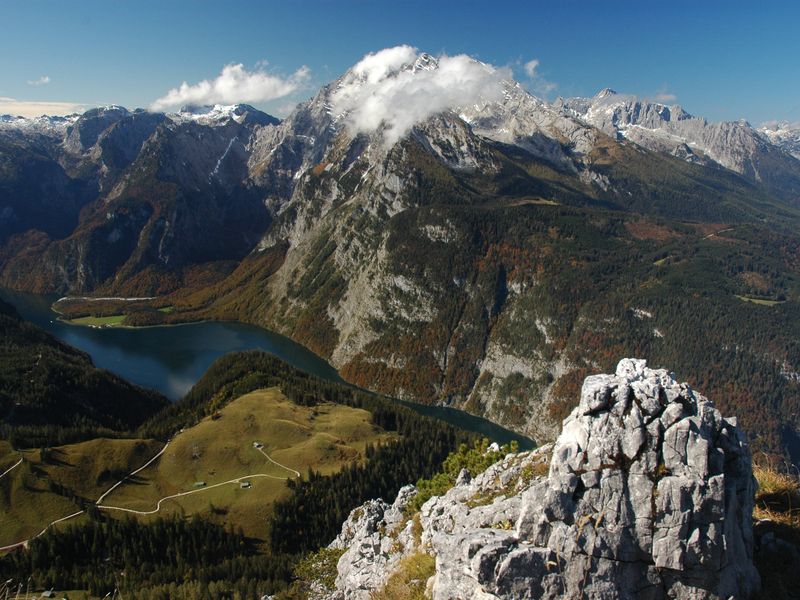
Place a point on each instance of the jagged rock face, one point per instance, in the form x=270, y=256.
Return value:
x=735, y=145
x=649, y=495
x=783, y=134
x=650, y=489
x=369, y=558
x=544, y=130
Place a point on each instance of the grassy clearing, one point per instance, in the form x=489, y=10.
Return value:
x=109, y=321
x=90, y=468
x=220, y=448
x=45, y=487
x=27, y=504
x=533, y=202
x=761, y=301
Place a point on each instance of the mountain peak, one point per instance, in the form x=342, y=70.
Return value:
x=605, y=93
x=425, y=62
x=223, y=113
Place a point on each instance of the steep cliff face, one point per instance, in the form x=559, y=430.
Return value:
x=649, y=495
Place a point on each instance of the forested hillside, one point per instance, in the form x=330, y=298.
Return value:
x=51, y=393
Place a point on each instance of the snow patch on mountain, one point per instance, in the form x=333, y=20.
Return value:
x=669, y=129
x=219, y=114
x=47, y=125
x=783, y=134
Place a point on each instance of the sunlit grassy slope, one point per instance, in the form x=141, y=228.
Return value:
x=221, y=448
x=51, y=483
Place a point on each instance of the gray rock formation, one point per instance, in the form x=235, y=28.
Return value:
x=370, y=540
x=765, y=156
x=649, y=495
x=783, y=134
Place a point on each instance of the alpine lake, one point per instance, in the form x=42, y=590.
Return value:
x=172, y=358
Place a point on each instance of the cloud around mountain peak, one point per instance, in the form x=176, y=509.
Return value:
x=395, y=88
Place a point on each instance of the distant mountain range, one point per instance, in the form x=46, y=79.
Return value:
x=783, y=134
x=487, y=256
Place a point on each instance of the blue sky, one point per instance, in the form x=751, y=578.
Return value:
x=723, y=60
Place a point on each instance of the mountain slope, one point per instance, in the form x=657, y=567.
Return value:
x=169, y=194
x=458, y=269
x=485, y=258
x=495, y=303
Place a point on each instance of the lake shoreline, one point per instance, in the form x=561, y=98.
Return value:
x=171, y=357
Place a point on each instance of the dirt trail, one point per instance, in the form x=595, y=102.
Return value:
x=11, y=468
x=158, y=504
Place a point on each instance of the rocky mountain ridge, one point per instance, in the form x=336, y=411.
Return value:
x=734, y=145
x=783, y=134
x=649, y=495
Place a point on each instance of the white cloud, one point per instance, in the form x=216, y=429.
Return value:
x=530, y=67
x=377, y=65
x=384, y=91
x=664, y=98
x=43, y=80
x=233, y=85
x=284, y=110
x=25, y=108
x=536, y=83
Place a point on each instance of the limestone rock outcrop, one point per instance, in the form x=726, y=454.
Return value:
x=649, y=495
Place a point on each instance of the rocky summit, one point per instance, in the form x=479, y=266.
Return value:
x=649, y=495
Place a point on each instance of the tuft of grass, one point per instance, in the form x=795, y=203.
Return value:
x=410, y=579
x=777, y=529
x=778, y=497
x=318, y=570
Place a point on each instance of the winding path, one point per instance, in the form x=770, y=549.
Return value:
x=11, y=468
x=269, y=458
x=197, y=491
x=49, y=525
x=181, y=494
x=80, y=512
x=132, y=473
x=158, y=504
x=716, y=233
